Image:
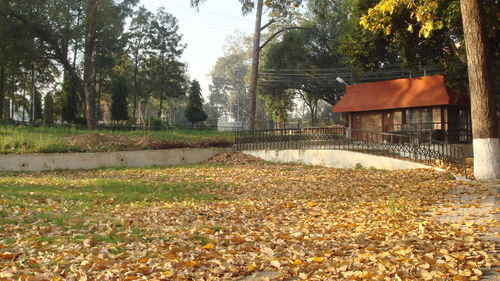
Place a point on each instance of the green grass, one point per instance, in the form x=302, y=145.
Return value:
x=104, y=191
x=26, y=139
x=54, y=199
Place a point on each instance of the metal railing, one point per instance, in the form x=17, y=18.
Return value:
x=400, y=146
x=440, y=131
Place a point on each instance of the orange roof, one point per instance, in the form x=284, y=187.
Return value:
x=399, y=93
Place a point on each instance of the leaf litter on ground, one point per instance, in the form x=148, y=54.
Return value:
x=230, y=218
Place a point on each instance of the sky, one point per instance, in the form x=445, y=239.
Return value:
x=205, y=31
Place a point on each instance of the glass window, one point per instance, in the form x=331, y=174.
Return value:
x=420, y=116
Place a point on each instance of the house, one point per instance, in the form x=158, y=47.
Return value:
x=423, y=107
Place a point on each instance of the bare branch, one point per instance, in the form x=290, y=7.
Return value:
x=278, y=32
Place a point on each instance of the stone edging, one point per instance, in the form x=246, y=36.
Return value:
x=138, y=158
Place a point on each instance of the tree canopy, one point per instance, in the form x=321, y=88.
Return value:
x=81, y=43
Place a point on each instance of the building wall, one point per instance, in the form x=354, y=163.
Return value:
x=398, y=116
x=436, y=115
x=371, y=121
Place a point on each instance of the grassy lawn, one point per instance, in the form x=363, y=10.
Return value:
x=24, y=139
x=224, y=222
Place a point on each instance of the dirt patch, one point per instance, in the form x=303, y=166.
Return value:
x=233, y=158
x=200, y=144
x=96, y=142
x=100, y=142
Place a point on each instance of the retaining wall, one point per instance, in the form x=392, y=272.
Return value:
x=334, y=159
x=73, y=161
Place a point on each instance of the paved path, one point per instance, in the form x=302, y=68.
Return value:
x=478, y=203
x=475, y=202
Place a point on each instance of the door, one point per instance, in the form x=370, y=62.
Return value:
x=356, y=126
x=387, y=125
x=387, y=121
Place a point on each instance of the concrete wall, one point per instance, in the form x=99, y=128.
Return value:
x=334, y=159
x=72, y=161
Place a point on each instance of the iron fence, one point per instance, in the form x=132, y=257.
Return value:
x=440, y=131
x=401, y=146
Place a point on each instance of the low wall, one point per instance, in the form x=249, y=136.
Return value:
x=334, y=159
x=73, y=161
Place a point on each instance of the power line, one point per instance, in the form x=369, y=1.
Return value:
x=192, y=11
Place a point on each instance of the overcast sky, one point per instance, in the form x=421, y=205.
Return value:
x=205, y=31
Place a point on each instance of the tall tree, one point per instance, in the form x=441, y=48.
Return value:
x=430, y=20
x=48, y=109
x=119, y=91
x=157, y=71
x=51, y=22
x=138, y=43
x=229, y=75
x=37, y=106
x=194, y=111
x=484, y=118
x=68, y=100
x=280, y=9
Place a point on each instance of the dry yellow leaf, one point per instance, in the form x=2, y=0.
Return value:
x=209, y=246
x=251, y=268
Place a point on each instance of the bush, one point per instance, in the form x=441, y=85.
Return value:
x=6, y=121
x=155, y=122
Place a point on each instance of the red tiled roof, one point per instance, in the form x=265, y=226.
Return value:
x=399, y=93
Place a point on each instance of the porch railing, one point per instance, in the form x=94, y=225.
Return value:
x=401, y=146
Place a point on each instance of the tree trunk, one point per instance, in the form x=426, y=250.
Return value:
x=99, y=95
x=484, y=120
x=255, y=65
x=88, y=67
x=33, y=95
x=75, y=50
x=161, y=108
x=136, y=70
x=2, y=90
x=24, y=105
x=171, y=116
x=314, y=112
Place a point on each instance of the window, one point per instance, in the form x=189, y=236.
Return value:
x=419, y=118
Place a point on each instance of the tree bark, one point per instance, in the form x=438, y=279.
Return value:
x=484, y=119
x=2, y=90
x=88, y=66
x=160, y=110
x=255, y=65
x=33, y=95
x=136, y=70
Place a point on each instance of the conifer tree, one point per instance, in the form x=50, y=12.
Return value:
x=48, y=110
x=119, y=91
x=194, y=110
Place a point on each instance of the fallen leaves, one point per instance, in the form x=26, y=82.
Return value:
x=304, y=222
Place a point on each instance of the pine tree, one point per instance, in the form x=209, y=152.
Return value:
x=119, y=91
x=68, y=110
x=38, y=106
x=194, y=111
x=48, y=110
